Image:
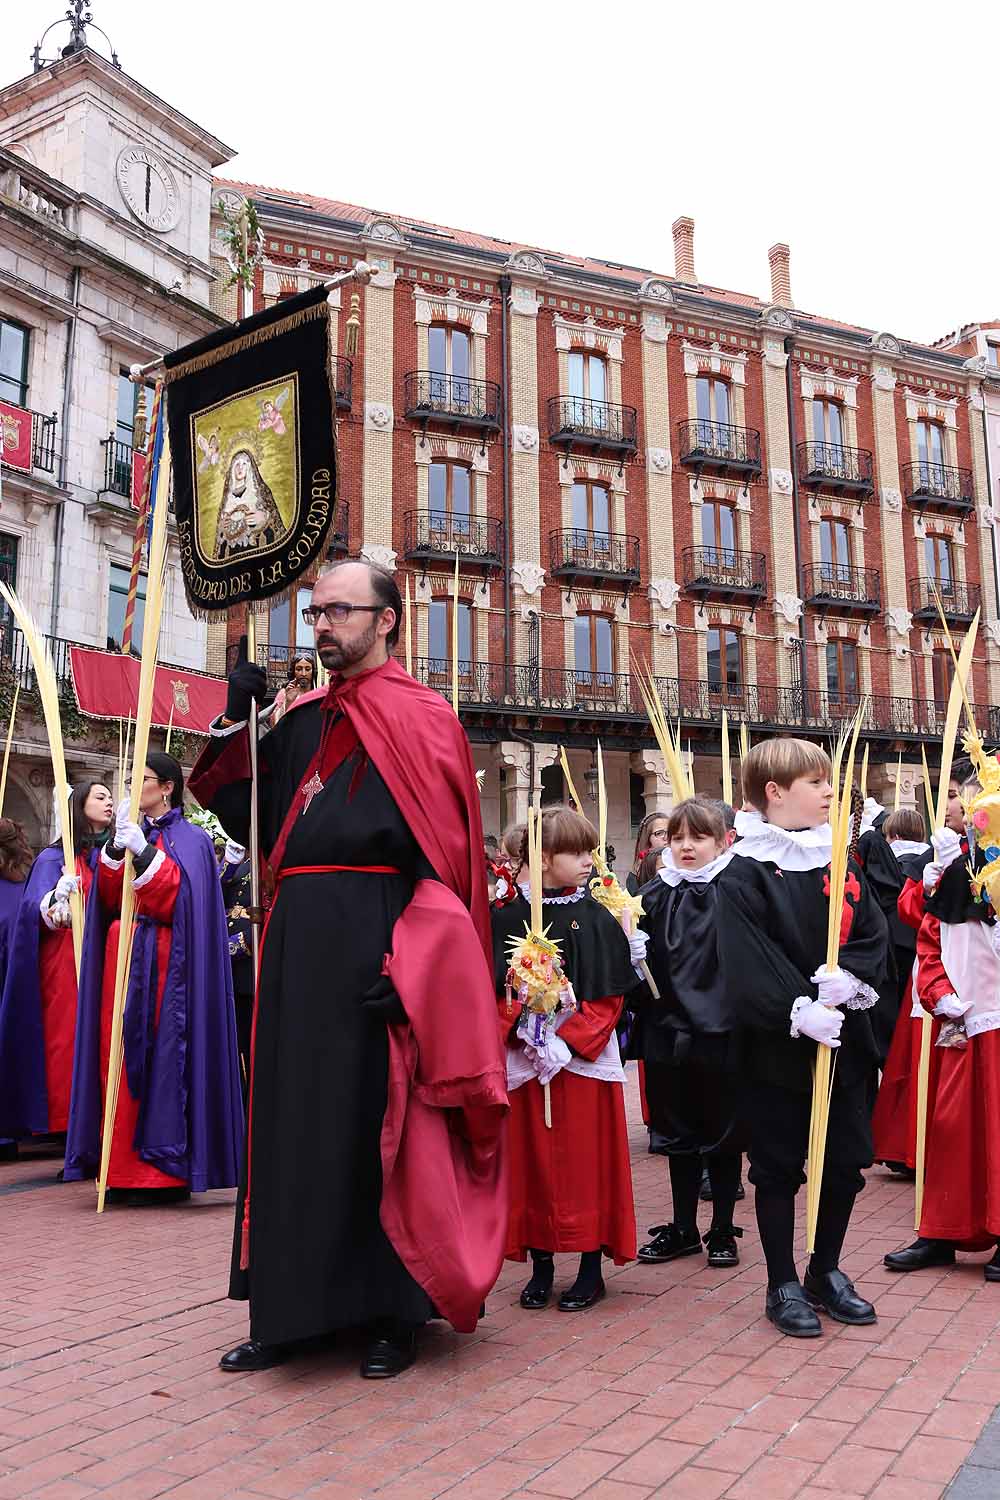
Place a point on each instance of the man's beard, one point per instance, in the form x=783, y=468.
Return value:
x=336, y=655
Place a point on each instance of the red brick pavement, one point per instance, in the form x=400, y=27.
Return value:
x=676, y=1385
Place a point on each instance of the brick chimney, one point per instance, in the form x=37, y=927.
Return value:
x=781, y=284
x=683, y=230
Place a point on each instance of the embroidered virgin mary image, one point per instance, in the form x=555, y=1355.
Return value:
x=247, y=499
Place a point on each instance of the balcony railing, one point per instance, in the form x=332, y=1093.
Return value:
x=43, y=439
x=117, y=466
x=958, y=600
x=343, y=375
x=724, y=572
x=594, y=554
x=480, y=684
x=452, y=398
x=832, y=466
x=719, y=445
x=938, y=487
x=836, y=585
x=442, y=533
x=580, y=423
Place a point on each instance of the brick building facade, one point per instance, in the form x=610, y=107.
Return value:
x=758, y=501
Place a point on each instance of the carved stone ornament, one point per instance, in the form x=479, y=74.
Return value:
x=790, y=641
x=664, y=591
x=229, y=201
x=382, y=557
x=525, y=439
x=382, y=228
x=654, y=290
x=527, y=263
x=900, y=652
x=529, y=576
x=993, y=631
x=987, y=515
x=660, y=460
x=899, y=620
x=886, y=343
x=777, y=317
x=781, y=481
x=378, y=415
x=666, y=628
x=977, y=365
x=883, y=379
x=789, y=607
x=892, y=499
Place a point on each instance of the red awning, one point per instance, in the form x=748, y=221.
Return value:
x=107, y=687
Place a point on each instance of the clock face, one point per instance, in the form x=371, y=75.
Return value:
x=148, y=187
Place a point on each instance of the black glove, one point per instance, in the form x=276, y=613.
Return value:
x=246, y=682
x=382, y=1002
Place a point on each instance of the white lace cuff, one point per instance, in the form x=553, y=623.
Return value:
x=864, y=997
x=799, y=1004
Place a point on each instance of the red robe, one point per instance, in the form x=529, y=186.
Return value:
x=57, y=986
x=571, y=1186
x=894, y=1122
x=155, y=894
x=962, y=1179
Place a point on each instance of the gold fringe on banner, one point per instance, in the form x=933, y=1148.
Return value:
x=246, y=341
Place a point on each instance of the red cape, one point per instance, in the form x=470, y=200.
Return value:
x=445, y=1189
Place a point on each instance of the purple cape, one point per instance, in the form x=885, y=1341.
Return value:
x=185, y=1069
x=24, y=1100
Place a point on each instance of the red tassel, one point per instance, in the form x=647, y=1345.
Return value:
x=245, y=1236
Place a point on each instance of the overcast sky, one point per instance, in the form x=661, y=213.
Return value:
x=863, y=134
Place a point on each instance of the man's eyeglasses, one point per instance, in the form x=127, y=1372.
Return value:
x=338, y=614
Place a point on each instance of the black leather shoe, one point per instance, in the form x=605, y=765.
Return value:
x=253, y=1355
x=788, y=1309
x=721, y=1246
x=991, y=1270
x=574, y=1301
x=835, y=1294
x=669, y=1243
x=921, y=1254
x=389, y=1356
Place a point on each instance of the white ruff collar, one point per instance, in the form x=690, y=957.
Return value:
x=576, y=895
x=900, y=847
x=672, y=875
x=789, y=849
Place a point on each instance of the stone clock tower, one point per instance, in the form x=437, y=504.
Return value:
x=143, y=170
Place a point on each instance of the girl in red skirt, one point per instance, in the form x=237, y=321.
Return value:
x=571, y=1183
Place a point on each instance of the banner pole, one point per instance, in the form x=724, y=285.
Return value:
x=255, y=908
x=141, y=522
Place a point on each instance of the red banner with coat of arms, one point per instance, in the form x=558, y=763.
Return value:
x=15, y=431
x=107, y=687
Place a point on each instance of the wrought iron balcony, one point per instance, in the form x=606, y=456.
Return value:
x=454, y=399
x=594, y=555
x=719, y=572
x=938, y=487
x=579, y=423
x=958, y=600
x=440, y=533
x=481, y=685
x=720, y=447
x=43, y=439
x=117, y=467
x=840, y=587
x=276, y=660
x=343, y=375
x=830, y=466
x=339, y=533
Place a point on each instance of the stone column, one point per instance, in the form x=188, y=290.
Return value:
x=893, y=566
x=663, y=589
x=376, y=481
x=523, y=416
x=784, y=581
x=989, y=630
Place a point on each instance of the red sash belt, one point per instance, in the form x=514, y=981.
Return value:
x=333, y=869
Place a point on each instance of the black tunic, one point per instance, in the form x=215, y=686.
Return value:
x=319, y=1259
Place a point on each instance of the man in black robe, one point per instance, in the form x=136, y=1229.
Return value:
x=368, y=810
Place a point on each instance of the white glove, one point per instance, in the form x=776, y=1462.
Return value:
x=235, y=853
x=814, y=1019
x=638, y=943
x=128, y=835
x=551, y=1057
x=835, y=986
x=65, y=886
x=57, y=914
x=952, y=1008
x=947, y=848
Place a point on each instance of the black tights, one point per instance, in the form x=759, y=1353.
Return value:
x=776, y=1224
x=543, y=1271
x=724, y=1168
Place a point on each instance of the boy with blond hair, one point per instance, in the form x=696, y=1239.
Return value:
x=773, y=904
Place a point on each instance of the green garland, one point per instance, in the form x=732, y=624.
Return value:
x=244, y=240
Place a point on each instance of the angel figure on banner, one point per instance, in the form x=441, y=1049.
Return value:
x=248, y=514
x=270, y=414
x=211, y=451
